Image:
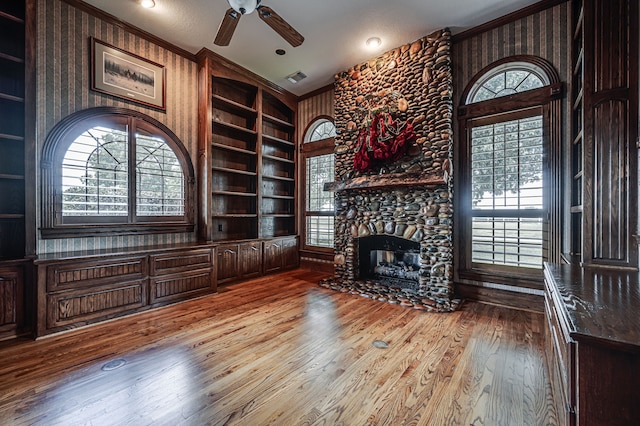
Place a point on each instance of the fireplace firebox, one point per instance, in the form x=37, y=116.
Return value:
x=390, y=261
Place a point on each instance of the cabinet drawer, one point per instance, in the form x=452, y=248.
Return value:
x=83, y=306
x=169, y=263
x=90, y=273
x=182, y=286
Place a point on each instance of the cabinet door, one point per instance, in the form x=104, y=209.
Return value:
x=10, y=298
x=227, y=262
x=250, y=261
x=289, y=253
x=272, y=255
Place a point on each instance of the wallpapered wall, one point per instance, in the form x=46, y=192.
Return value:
x=546, y=34
x=321, y=104
x=63, y=87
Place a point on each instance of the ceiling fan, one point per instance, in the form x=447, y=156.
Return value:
x=245, y=7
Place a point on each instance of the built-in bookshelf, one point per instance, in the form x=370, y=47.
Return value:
x=12, y=136
x=278, y=168
x=577, y=127
x=250, y=146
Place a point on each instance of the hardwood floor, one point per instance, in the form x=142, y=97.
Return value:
x=280, y=350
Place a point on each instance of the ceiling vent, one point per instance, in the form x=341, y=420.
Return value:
x=296, y=77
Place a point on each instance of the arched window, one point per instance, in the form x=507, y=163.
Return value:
x=115, y=170
x=321, y=128
x=507, y=79
x=318, y=160
x=509, y=121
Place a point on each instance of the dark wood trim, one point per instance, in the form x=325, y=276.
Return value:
x=499, y=297
x=30, y=128
x=113, y=20
x=508, y=18
x=316, y=92
x=390, y=180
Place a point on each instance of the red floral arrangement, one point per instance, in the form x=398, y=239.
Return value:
x=383, y=142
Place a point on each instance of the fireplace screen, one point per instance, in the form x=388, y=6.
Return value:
x=390, y=261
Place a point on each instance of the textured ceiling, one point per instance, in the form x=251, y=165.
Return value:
x=335, y=30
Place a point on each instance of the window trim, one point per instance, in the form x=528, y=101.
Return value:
x=548, y=99
x=55, y=147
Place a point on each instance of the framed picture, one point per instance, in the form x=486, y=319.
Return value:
x=123, y=74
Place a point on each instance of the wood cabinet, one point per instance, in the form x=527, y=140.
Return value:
x=11, y=301
x=84, y=288
x=593, y=344
x=604, y=125
x=247, y=153
x=239, y=260
x=280, y=253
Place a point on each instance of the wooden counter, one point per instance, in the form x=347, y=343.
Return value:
x=593, y=344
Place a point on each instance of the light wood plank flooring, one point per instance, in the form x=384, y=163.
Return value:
x=279, y=350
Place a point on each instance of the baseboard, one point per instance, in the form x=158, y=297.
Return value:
x=499, y=297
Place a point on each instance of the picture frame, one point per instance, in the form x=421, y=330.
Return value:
x=123, y=74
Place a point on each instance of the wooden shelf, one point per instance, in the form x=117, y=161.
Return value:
x=234, y=216
x=232, y=148
x=276, y=120
x=578, y=101
x=6, y=15
x=11, y=137
x=11, y=216
x=281, y=178
x=9, y=176
x=273, y=157
x=236, y=106
x=11, y=97
x=11, y=58
x=270, y=138
x=233, y=127
x=235, y=194
x=278, y=215
x=233, y=171
x=279, y=197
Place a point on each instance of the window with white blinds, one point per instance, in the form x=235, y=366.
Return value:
x=507, y=192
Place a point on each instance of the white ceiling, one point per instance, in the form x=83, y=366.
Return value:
x=335, y=30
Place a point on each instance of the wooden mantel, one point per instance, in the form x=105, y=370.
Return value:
x=388, y=180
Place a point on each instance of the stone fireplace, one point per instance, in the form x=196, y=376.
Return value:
x=394, y=214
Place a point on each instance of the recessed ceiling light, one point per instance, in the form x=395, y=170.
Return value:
x=147, y=3
x=280, y=52
x=373, y=42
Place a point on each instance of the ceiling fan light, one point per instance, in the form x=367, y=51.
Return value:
x=244, y=7
x=147, y=3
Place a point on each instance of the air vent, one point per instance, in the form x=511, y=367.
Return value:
x=296, y=77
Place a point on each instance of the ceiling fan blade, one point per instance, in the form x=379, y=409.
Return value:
x=280, y=26
x=227, y=27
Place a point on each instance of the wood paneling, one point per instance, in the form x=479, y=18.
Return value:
x=11, y=299
x=280, y=350
x=83, y=288
x=610, y=132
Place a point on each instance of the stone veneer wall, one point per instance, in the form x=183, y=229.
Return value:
x=418, y=77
